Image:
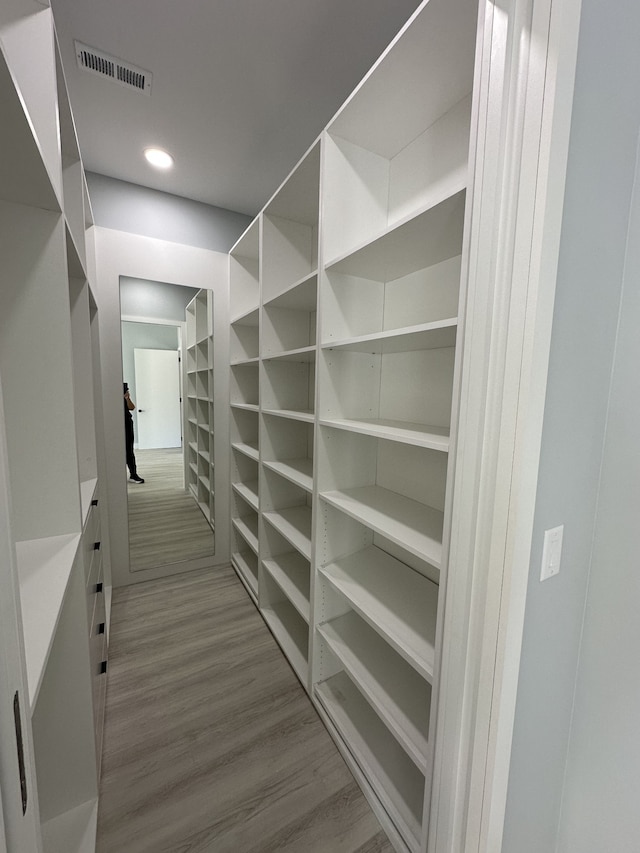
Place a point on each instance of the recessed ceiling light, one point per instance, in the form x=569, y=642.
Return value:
x=158, y=158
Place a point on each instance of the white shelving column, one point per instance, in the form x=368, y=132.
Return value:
x=288, y=346
x=394, y=185
x=244, y=279
x=344, y=348
x=47, y=375
x=191, y=435
x=199, y=457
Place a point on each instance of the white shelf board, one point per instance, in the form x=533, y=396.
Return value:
x=294, y=523
x=240, y=361
x=205, y=481
x=441, y=333
x=301, y=354
x=73, y=831
x=399, y=604
x=389, y=771
x=387, y=110
x=252, y=595
x=248, y=243
x=246, y=407
x=400, y=697
x=205, y=455
x=204, y=508
x=420, y=240
x=298, y=471
x=292, y=574
x=193, y=445
x=247, y=527
x=44, y=569
x=297, y=199
x=410, y=524
x=292, y=636
x=249, y=318
x=24, y=178
x=246, y=318
x=305, y=415
x=420, y=435
x=249, y=492
x=300, y=296
x=250, y=450
x=87, y=491
x=241, y=565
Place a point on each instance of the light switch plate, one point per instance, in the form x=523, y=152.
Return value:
x=551, y=552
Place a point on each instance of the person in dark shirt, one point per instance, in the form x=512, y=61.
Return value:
x=129, y=407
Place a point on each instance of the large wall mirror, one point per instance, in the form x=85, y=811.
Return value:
x=167, y=371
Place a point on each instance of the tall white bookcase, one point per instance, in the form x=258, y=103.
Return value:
x=54, y=581
x=344, y=373
x=244, y=352
x=199, y=443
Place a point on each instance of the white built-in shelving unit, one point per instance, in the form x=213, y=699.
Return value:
x=244, y=352
x=199, y=443
x=49, y=378
x=344, y=364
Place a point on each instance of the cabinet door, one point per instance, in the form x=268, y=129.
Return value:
x=17, y=779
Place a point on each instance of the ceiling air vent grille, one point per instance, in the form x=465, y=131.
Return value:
x=124, y=73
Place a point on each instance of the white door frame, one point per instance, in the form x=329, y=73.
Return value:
x=158, y=374
x=182, y=338
x=525, y=72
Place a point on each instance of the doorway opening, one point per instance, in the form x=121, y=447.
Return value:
x=166, y=526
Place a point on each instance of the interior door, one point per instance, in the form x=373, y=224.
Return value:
x=157, y=375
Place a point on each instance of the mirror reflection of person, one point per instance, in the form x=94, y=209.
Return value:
x=129, y=406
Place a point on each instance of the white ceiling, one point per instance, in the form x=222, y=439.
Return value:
x=241, y=88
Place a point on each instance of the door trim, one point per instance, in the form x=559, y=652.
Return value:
x=525, y=71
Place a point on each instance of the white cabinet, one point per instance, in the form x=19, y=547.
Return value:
x=50, y=525
x=344, y=365
x=199, y=444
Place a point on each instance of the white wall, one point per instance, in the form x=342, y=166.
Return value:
x=601, y=808
x=122, y=254
x=139, y=210
x=602, y=153
x=154, y=299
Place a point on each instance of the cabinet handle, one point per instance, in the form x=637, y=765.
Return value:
x=101, y=628
x=103, y=667
x=99, y=587
x=94, y=502
x=96, y=546
x=20, y=748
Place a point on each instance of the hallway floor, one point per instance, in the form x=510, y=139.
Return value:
x=211, y=745
x=165, y=523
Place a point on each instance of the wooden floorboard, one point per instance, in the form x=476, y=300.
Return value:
x=211, y=744
x=166, y=525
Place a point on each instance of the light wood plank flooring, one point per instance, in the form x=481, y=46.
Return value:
x=165, y=524
x=211, y=745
